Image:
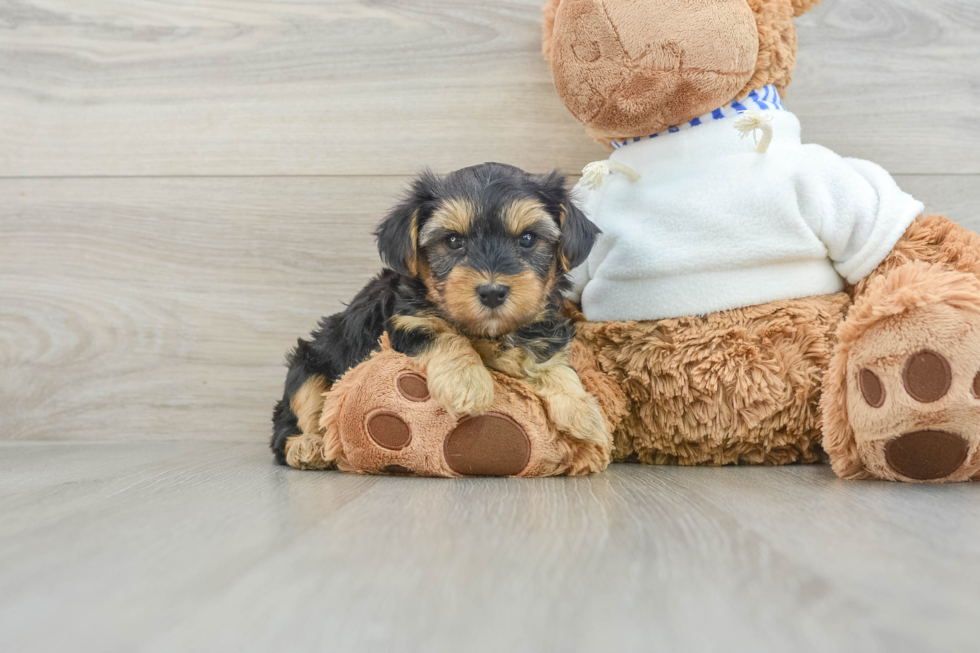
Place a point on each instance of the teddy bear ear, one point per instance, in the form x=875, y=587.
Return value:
x=550, y=9
x=800, y=7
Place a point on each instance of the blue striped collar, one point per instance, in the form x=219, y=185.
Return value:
x=764, y=99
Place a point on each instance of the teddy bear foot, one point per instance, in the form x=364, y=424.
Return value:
x=381, y=419
x=911, y=390
x=935, y=452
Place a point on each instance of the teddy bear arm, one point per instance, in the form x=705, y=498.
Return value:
x=931, y=239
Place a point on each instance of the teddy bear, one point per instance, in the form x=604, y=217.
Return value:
x=758, y=300
x=752, y=300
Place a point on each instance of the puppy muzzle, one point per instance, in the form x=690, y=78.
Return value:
x=492, y=295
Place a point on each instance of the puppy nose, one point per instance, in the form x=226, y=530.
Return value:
x=492, y=295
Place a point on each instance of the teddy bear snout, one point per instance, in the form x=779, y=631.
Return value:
x=663, y=56
x=628, y=69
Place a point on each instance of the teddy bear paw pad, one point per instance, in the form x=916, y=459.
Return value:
x=926, y=455
x=397, y=470
x=413, y=387
x=916, y=415
x=487, y=445
x=927, y=376
x=388, y=430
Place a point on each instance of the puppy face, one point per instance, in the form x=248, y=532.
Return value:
x=491, y=261
x=491, y=242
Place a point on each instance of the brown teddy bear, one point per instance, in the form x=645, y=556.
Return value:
x=698, y=222
x=751, y=299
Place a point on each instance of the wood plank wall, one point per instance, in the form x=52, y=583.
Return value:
x=186, y=187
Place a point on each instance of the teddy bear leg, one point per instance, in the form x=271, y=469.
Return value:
x=382, y=418
x=734, y=387
x=901, y=397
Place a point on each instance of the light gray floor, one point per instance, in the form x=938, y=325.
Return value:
x=207, y=547
x=186, y=187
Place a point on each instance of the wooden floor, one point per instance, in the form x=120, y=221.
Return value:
x=186, y=546
x=186, y=187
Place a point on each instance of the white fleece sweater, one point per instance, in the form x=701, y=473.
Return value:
x=713, y=225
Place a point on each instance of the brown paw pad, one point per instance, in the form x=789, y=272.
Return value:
x=397, y=470
x=413, y=387
x=487, y=445
x=388, y=430
x=871, y=388
x=926, y=455
x=927, y=376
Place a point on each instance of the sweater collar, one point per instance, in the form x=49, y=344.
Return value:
x=764, y=99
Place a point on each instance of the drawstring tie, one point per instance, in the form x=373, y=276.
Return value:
x=596, y=172
x=750, y=122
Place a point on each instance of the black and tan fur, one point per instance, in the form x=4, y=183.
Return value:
x=455, y=247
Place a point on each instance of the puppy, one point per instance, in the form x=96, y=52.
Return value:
x=477, y=265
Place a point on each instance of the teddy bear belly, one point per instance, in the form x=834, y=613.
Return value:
x=738, y=386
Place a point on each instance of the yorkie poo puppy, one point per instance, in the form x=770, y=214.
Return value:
x=477, y=265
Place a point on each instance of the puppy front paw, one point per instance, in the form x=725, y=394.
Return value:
x=306, y=451
x=467, y=390
x=579, y=416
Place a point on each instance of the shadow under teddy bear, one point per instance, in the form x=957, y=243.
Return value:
x=785, y=360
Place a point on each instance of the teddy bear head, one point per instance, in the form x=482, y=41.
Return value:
x=629, y=68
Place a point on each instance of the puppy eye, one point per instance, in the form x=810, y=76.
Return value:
x=454, y=241
x=527, y=240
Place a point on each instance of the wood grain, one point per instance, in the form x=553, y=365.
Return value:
x=135, y=309
x=209, y=547
x=259, y=87
x=190, y=186
x=164, y=308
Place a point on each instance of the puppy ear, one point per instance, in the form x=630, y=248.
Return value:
x=578, y=233
x=398, y=233
x=578, y=236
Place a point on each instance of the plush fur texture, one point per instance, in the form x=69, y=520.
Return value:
x=931, y=239
x=924, y=297
x=548, y=12
x=628, y=69
x=739, y=386
x=777, y=42
x=800, y=7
